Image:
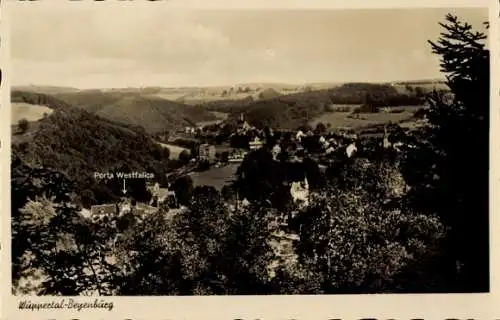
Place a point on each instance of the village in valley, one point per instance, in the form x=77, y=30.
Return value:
x=242, y=167
x=320, y=144
x=261, y=163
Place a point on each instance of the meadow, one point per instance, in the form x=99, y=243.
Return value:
x=344, y=118
x=30, y=112
x=216, y=177
x=175, y=151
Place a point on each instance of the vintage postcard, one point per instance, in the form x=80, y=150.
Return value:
x=248, y=160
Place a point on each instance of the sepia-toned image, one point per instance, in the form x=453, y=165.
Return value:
x=249, y=152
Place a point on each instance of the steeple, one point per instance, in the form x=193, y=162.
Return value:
x=386, y=142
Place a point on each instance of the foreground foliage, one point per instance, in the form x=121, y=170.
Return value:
x=415, y=221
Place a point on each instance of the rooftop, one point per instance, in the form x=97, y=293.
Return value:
x=103, y=209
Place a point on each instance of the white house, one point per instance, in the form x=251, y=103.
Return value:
x=160, y=194
x=86, y=213
x=351, y=149
x=190, y=130
x=397, y=145
x=276, y=151
x=256, y=144
x=300, y=192
x=299, y=135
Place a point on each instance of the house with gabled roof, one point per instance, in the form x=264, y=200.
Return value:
x=104, y=210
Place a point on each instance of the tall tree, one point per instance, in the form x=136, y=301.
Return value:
x=23, y=125
x=448, y=171
x=183, y=188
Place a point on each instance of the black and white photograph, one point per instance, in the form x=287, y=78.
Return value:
x=198, y=152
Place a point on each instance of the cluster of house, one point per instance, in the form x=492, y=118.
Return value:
x=124, y=206
x=159, y=197
x=208, y=152
x=342, y=142
x=193, y=130
x=330, y=143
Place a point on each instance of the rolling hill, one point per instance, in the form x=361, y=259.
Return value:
x=152, y=113
x=278, y=105
x=78, y=143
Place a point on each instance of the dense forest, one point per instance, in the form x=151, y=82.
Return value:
x=80, y=143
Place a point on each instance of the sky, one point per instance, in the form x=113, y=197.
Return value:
x=145, y=46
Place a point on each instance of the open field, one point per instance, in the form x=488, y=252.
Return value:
x=175, y=151
x=349, y=120
x=343, y=107
x=216, y=177
x=30, y=112
x=221, y=116
x=424, y=86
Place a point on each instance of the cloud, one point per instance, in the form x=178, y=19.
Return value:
x=167, y=48
x=67, y=45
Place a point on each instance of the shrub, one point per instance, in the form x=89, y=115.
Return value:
x=396, y=110
x=420, y=113
x=320, y=128
x=184, y=157
x=203, y=165
x=366, y=108
x=23, y=125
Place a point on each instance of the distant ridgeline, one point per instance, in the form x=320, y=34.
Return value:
x=78, y=143
x=293, y=110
